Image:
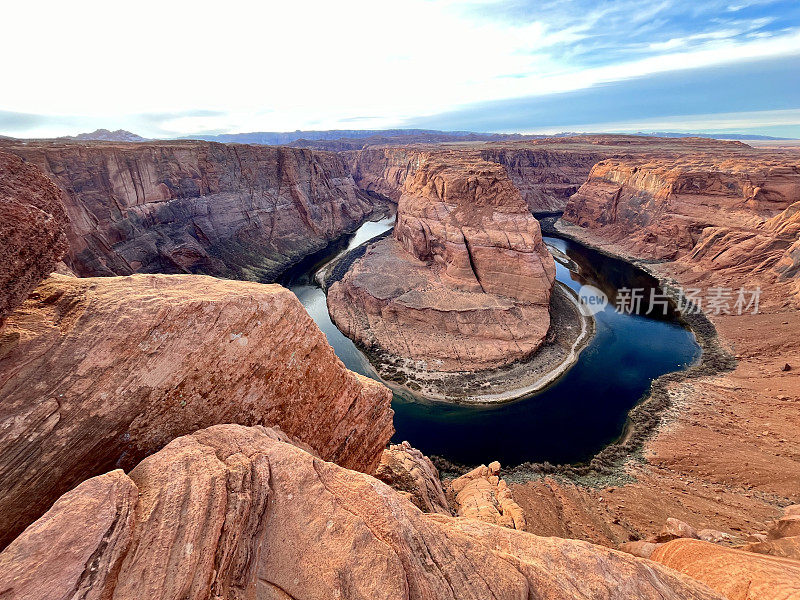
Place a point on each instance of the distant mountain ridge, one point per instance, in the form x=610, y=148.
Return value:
x=104, y=135
x=272, y=138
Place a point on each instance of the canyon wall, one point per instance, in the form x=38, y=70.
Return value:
x=97, y=373
x=234, y=512
x=545, y=178
x=242, y=212
x=32, y=222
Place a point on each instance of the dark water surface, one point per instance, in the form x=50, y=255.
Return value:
x=569, y=421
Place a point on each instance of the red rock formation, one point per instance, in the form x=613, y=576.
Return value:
x=106, y=371
x=233, y=512
x=32, y=238
x=413, y=475
x=546, y=178
x=481, y=494
x=465, y=283
x=783, y=536
x=244, y=212
x=731, y=215
x=733, y=573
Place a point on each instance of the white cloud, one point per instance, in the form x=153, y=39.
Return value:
x=280, y=65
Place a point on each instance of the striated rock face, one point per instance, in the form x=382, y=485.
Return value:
x=413, y=475
x=481, y=494
x=546, y=178
x=234, y=512
x=243, y=212
x=465, y=283
x=735, y=215
x=735, y=574
x=32, y=238
x=97, y=373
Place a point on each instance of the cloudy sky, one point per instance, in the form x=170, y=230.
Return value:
x=168, y=68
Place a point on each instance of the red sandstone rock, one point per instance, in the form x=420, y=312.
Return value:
x=465, y=283
x=243, y=212
x=32, y=238
x=733, y=573
x=728, y=217
x=640, y=548
x=481, y=494
x=233, y=512
x=413, y=475
x=674, y=529
x=105, y=371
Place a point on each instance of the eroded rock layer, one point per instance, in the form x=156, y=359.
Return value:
x=734, y=215
x=97, y=373
x=32, y=238
x=235, y=512
x=244, y=212
x=465, y=282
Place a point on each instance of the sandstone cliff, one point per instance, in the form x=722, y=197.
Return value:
x=465, y=283
x=97, y=373
x=243, y=212
x=32, y=238
x=728, y=216
x=235, y=512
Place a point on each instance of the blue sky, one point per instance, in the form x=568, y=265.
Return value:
x=169, y=69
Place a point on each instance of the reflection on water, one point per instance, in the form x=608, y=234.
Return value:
x=568, y=422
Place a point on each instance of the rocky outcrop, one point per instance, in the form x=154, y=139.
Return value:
x=482, y=495
x=32, y=238
x=243, y=212
x=464, y=284
x=783, y=536
x=413, y=475
x=97, y=373
x=733, y=216
x=234, y=512
x=735, y=574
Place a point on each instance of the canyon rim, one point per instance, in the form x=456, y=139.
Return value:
x=317, y=327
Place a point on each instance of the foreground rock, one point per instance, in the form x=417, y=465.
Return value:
x=782, y=538
x=98, y=373
x=413, y=475
x=465, y=283
x=482, y=495
x=32, y=238
x=735, y=574
x=234, y=512
x=243, y=212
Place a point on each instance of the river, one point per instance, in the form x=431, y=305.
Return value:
x=568, y=422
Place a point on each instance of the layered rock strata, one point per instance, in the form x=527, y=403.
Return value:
x=32, y=238
x=481, y=494
x=734, y=217
x=464, y=284
x=243, y=212
x=413, y=475
x=234, y=512
x=735, y=574
x=97, y=373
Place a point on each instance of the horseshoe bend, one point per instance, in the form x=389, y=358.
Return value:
x=548, y=349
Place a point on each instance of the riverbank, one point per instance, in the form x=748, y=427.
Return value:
x=715, y=445
x=570, y=331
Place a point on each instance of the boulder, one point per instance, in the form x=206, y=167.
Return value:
x=674, y=529
x=481, y=494
x=412, y=474
x=106, y=371
x=235, y=512
x=735, y=574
